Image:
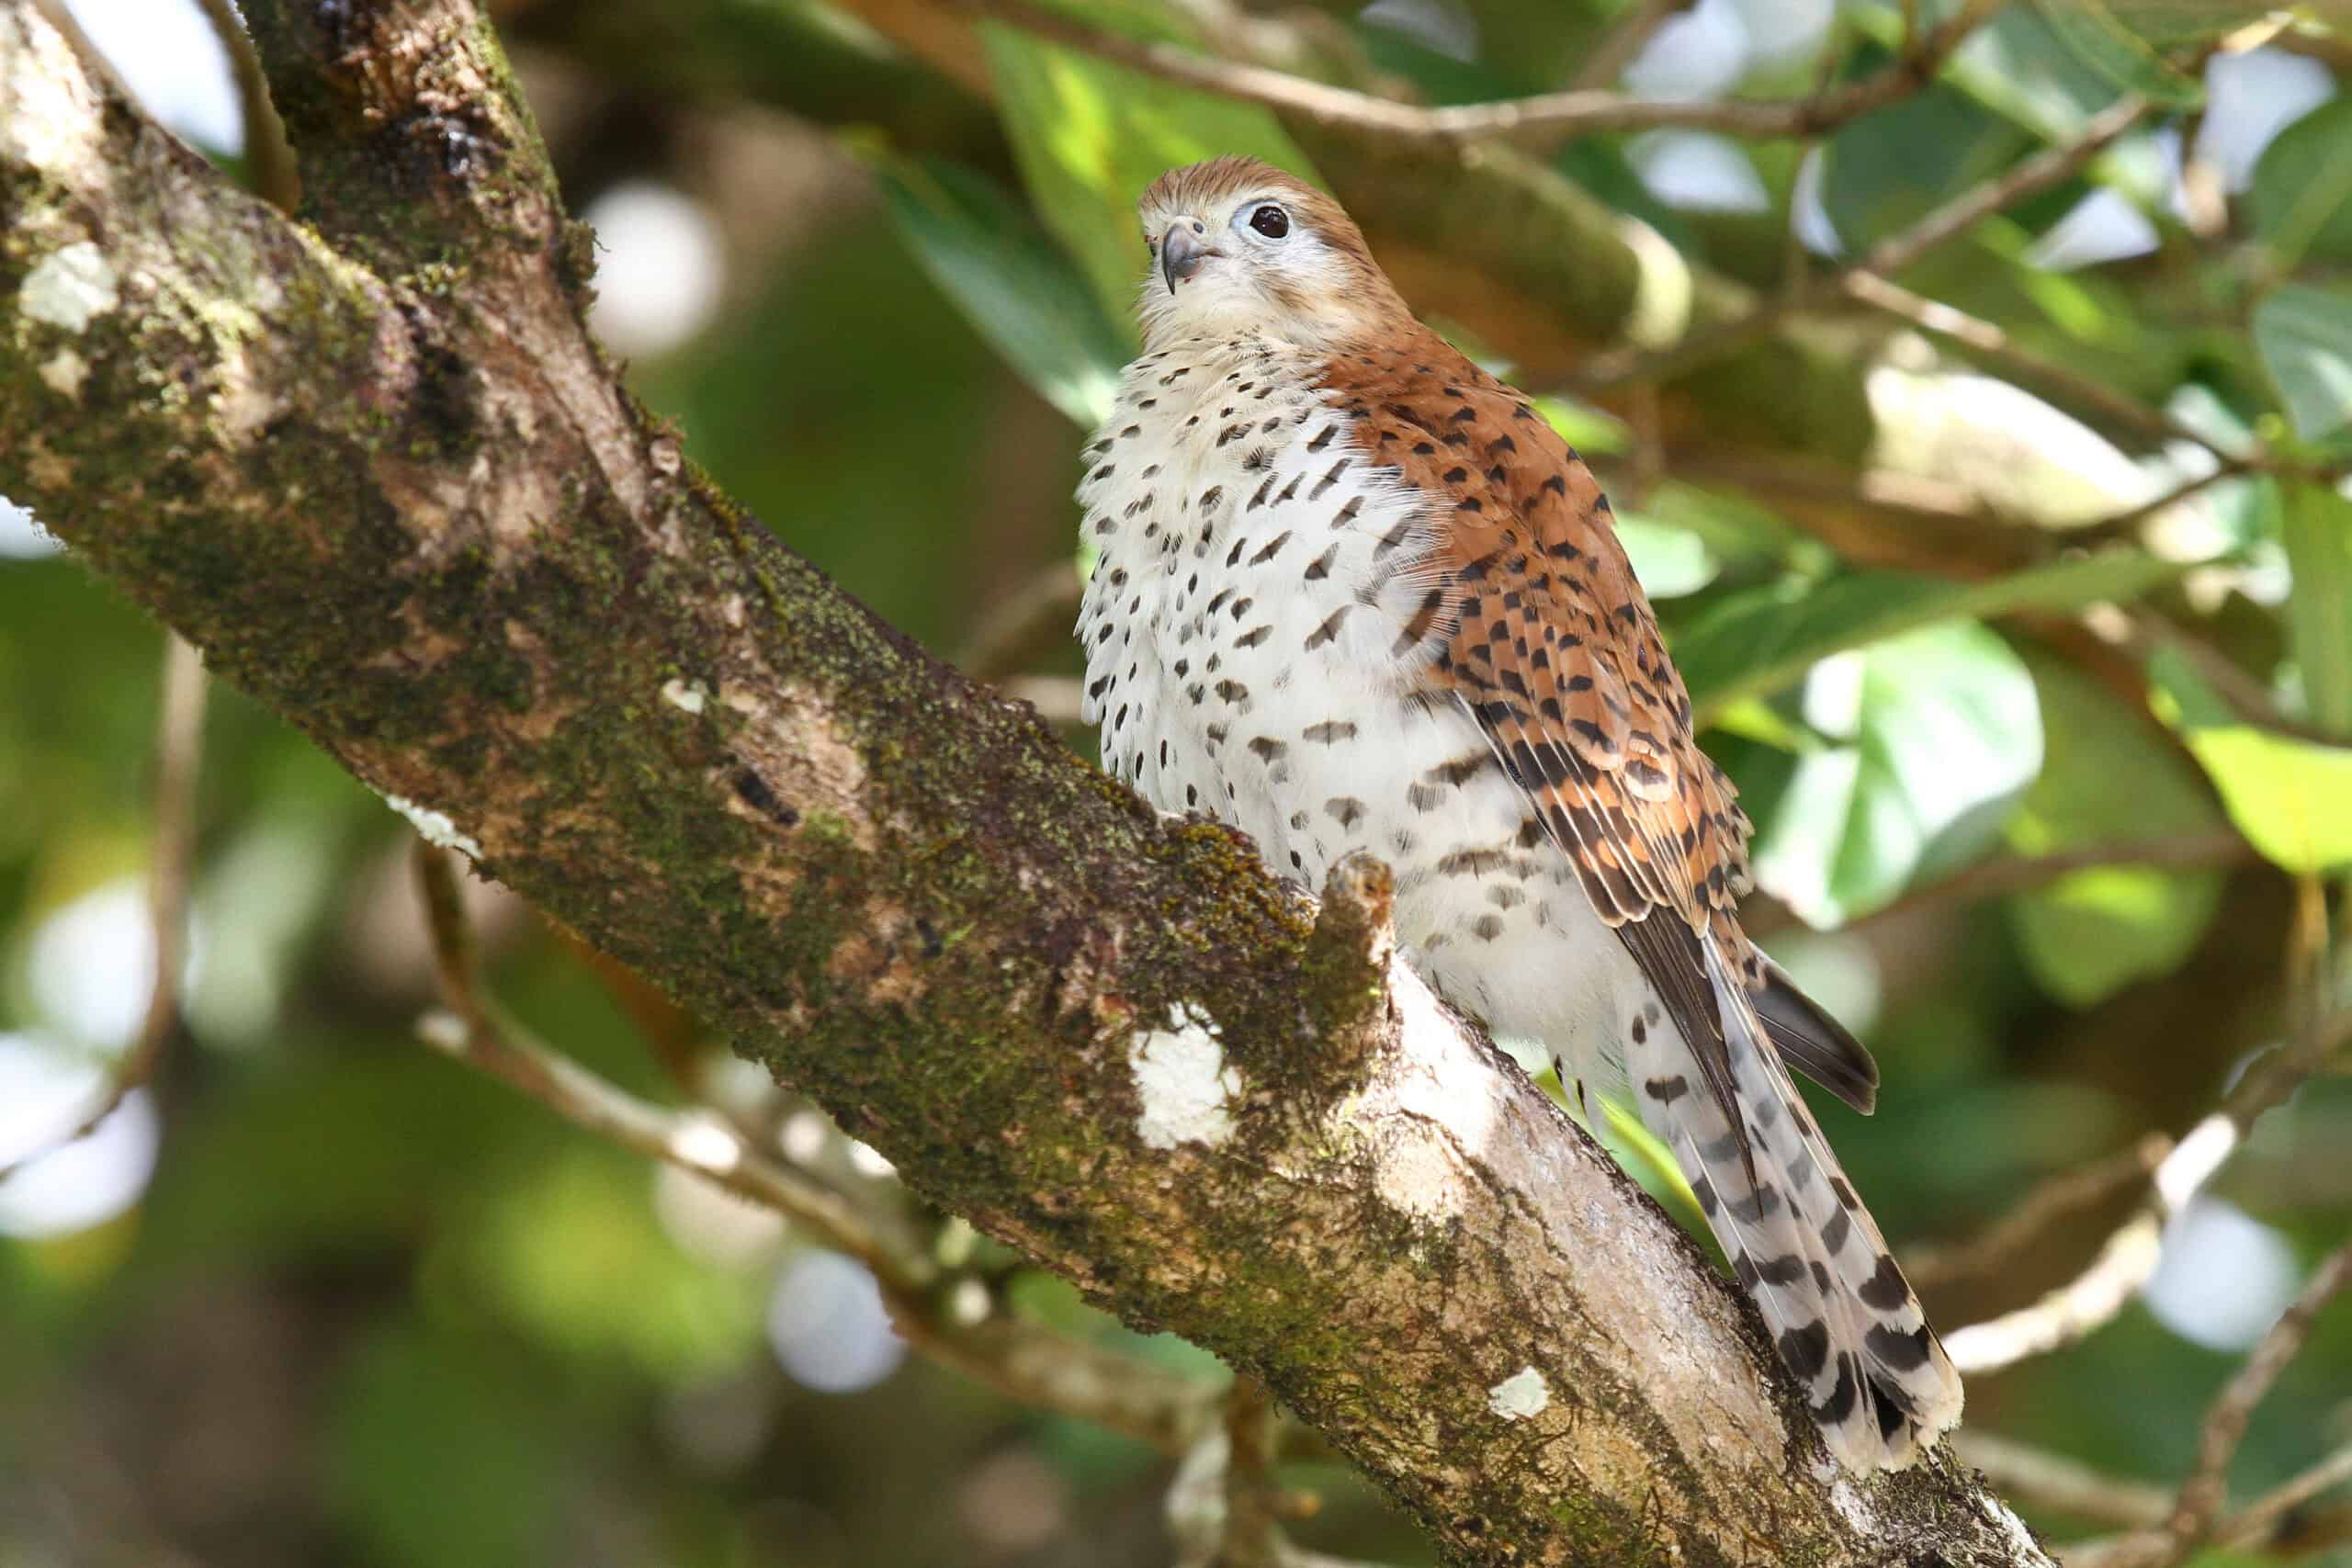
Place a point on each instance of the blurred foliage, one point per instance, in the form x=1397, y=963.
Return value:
x=366, y=1309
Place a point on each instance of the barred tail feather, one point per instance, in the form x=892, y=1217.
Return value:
x=1801, y=1243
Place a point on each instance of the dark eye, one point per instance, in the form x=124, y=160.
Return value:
x=1270, y=220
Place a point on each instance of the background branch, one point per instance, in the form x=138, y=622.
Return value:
x=1538, y=121
x=1025, y=1363
x=178, y=755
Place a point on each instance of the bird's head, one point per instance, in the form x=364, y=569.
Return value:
x=1238, y=245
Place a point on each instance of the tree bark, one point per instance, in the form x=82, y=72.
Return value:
x=375, y=467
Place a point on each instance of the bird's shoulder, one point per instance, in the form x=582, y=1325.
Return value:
x=1548, y=638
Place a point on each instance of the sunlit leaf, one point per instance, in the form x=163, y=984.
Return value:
x=1765, y=640
x=1021, y=293
x=1936, y=734
x=2291, y=797
x=2300, y=199
x=2016, y=66
x=1090, y=135
x=1669, y=561
x=1888, y=170
x=1583, y=426
x=2103, y=41
x=2318, y=535
x=2304, y=335
x=2088, y=935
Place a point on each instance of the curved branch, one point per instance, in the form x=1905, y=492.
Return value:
x=1539, y=121
x=399, y=495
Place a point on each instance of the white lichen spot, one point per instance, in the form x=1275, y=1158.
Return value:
x=686, y=696
x=62, y=372
x=1180, y=1075
x=1521, y=1395
x=435, y=826
x=69, y=287
x=1851, y=1505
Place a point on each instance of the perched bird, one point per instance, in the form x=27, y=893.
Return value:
x=1354, y=594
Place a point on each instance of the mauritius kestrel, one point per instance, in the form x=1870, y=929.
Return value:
x=1355, y=594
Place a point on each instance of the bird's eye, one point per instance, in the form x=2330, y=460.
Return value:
x=1270, y=220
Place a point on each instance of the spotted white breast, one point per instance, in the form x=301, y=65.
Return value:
x=1264, y=598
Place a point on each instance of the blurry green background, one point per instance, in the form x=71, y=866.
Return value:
x=316, y=1295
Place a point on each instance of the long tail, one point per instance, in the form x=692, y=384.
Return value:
x=1800, y=1242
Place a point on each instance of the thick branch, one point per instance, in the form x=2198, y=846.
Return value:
x=396, y=493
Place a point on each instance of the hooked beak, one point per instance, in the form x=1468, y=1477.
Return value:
x=1181, y=253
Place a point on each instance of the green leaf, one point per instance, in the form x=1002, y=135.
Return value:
x=1888, y=170
x=1022, y=294
x=2291, y=797
x=1763, y=640
x=2300, y=200
x=1939, y=734
x=2318, y=536
x=2104, y=43
x=2016, y=66
x=1669, y=561
x=2087, y=936
x=2304, y=336
x=1582, y=425
x=1090, y=135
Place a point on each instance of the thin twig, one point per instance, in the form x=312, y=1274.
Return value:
x=2195, y=1517
x=2129, y=1258
x=1050, y=594
x=1059, y=699
x=269, y=159
x=1538, y=121
x=179, y=748
x=2202, y=1494
x=2140, y=631
x=2028, y=176
x=1622, y=44
x=2125, y=525
x=1223, y=1505
x=1989, y=342
x=1018, y=1359
x=2022, y=874
x=2065, y=1486
x=1250, y=1538
x=2061, y=1197
x=2271, y=1519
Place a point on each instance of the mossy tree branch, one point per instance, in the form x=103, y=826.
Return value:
x=375, y=467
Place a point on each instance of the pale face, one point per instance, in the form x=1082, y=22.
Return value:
x=1249, y=263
